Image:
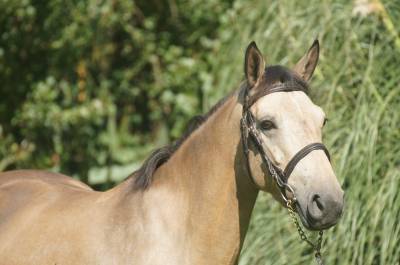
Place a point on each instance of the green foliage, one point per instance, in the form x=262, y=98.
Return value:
x=92, y=86
x=357, y=84
x=86, y=81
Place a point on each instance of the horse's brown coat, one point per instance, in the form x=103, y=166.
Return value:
x=47, y=218
x=196, y=209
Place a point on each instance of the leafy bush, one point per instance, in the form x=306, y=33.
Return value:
x=84, y=82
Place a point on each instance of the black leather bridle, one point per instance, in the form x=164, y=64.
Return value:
x=249, y=131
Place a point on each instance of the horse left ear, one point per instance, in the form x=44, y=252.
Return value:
x=254, y=64
x=306, y=66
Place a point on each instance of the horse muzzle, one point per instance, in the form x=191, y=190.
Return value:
x=321, y=211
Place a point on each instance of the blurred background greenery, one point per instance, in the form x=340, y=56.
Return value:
x=88, y=88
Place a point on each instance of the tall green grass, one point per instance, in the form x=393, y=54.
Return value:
x=357, y=83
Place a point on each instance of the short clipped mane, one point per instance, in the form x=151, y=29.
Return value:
x=144, y=175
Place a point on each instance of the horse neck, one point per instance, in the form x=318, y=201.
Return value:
x=203, y=193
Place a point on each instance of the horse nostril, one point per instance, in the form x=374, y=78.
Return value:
x=316, y=207
x=318, y=202
x=323, y=210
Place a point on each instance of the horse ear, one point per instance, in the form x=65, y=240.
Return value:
x=254, y=64
x=306, y=66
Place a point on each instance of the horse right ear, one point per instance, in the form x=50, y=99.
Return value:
x=306, y=66
x=254, y=64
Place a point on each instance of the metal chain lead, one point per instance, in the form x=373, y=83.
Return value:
x=316, y=247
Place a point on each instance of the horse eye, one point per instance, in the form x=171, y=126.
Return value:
x=325, y=121
x=267, y=125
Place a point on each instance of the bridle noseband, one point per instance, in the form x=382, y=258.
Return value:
x=249, y=131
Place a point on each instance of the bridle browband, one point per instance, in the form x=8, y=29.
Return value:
x=249, y=131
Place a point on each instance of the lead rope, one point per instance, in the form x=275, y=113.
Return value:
x=316, y=247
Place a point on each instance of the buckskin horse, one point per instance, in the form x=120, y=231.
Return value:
x=190, y=202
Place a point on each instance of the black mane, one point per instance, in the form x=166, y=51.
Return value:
x=279, y=74
x=144, y=175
